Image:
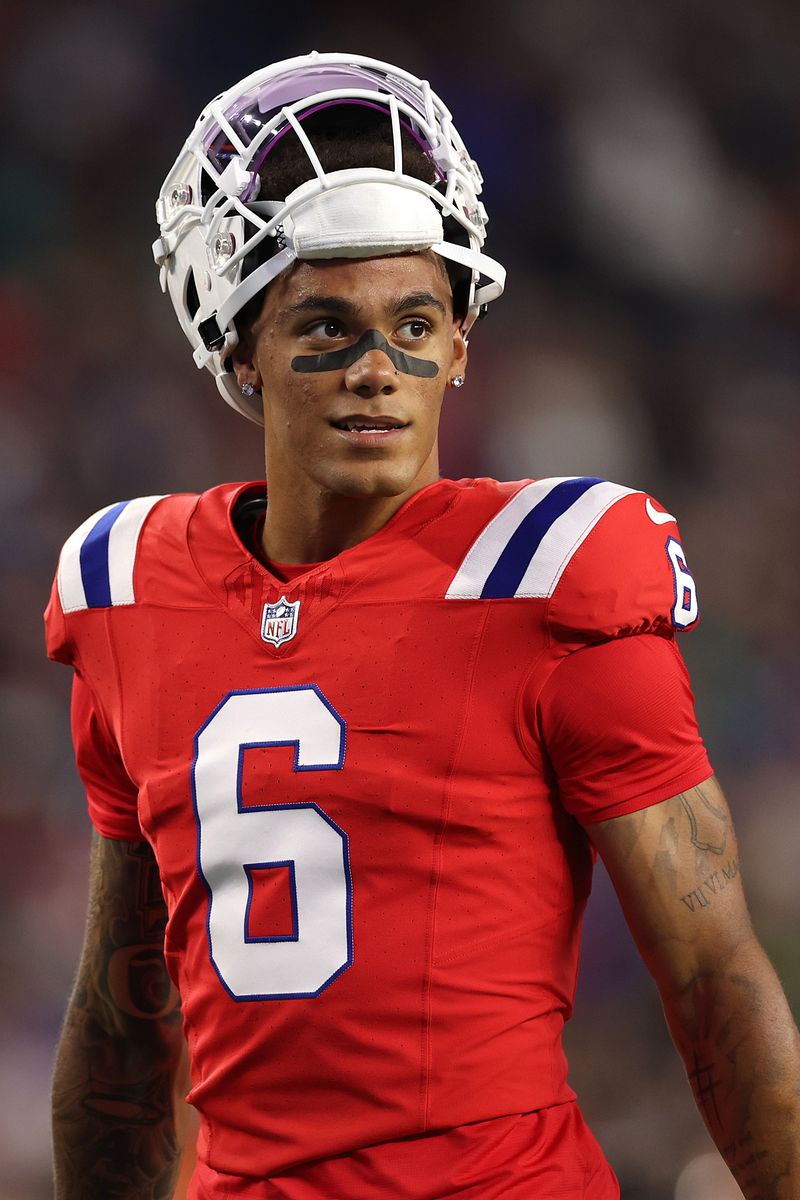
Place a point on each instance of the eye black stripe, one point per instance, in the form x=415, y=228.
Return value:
x=371, y=339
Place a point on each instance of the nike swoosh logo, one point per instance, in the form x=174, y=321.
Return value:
x=658, y=518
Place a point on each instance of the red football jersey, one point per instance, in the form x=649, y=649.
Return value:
x=364, y=789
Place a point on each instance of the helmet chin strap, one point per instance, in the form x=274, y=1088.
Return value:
x=240, y=295
x=489, y=267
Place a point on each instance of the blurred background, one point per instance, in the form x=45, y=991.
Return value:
x=642, y=162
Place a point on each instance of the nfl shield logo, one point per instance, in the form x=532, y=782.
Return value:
x=279, y=623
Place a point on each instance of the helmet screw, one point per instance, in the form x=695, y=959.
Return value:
x=223, y=247
x=179, y=197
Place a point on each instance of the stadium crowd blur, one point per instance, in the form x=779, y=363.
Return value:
x=643, y=181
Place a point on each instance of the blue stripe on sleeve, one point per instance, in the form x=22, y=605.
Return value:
x=506, y=575
x=94, y=559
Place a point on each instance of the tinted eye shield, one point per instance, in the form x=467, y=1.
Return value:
x=371, y=339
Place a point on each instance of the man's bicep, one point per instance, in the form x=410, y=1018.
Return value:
x=675, y=867
x=122, y=965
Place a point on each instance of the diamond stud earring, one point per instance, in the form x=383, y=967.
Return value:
x=457, y=381
x=248, y=389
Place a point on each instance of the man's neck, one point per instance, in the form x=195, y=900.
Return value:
x=336, y=523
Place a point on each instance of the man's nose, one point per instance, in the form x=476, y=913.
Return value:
x=373, y=374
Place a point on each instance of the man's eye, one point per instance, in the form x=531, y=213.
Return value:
x=327, y=328
x=414, y=330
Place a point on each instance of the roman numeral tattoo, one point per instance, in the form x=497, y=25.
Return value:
x=711, y=886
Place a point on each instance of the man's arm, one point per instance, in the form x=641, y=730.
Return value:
x=121, y=1047
x=675, y=868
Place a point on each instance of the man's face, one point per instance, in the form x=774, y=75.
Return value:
x=352, y=358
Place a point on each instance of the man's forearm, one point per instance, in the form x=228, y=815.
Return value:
x=113, y=1111
x=121, y=1048
x=741, y=1050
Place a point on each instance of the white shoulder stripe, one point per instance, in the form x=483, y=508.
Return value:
x=525, y=548
x=70, y=581
x=565, y=536
x=486, y=550
x=97, y=563
x=123, y=543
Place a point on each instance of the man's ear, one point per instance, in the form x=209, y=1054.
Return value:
x=244, y=365
x=460, y=352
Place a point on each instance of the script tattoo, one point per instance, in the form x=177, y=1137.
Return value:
x=751, y=1165
x=717, y=881
x=744, y=1158
x=113, y=1124
x=742, y=1072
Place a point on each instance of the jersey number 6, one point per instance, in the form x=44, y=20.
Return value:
x=235, y=842
x=685, y=608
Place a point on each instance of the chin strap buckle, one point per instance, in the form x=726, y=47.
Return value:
x=214, y=341
x=212, y=335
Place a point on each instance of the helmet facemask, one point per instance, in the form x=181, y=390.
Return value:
x=224, y=240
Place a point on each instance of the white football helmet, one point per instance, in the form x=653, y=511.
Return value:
x=211, y=216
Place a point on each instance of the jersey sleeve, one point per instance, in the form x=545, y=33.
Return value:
x=96, y=573
x=111, y=796
x=618, y=724
x=615, y=716
x=624, y=572
x=56, y=636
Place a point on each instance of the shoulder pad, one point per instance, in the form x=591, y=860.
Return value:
x=527, y=545
x=95, y=569
x=625, y=573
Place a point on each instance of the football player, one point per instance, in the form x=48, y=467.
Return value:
x=352, y=739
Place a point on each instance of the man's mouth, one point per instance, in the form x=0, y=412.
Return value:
x=369, y=425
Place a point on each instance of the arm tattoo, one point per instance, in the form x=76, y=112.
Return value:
x=712, y=885
x=704, y=1084
x=746, y=1161
x=730, y=1019
x=114, y=1085
x=705, y=816
x=709, y=829
x=742, y=1057
x=722, y=999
